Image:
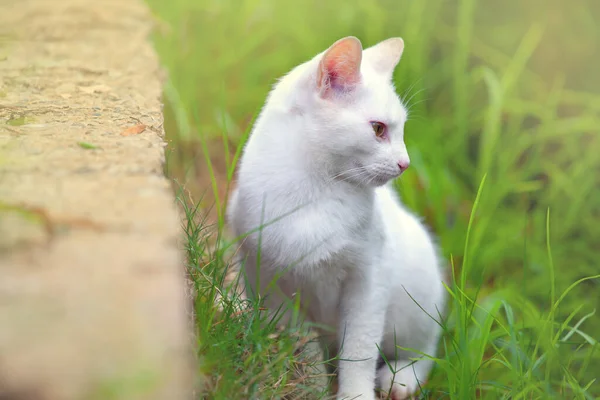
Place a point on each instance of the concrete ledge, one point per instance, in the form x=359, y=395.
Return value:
x=92, y=302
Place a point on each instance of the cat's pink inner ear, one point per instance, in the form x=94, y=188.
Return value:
x=340, y=66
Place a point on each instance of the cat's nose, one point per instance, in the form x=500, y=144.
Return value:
x=403, y=165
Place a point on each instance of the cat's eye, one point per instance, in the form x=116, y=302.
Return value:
x=379, y=128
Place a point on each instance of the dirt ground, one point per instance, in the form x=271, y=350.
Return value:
x=92, y=298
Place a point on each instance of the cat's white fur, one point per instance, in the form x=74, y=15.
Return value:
x=313, y=187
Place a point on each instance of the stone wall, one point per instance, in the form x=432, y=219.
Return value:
x=92, y=302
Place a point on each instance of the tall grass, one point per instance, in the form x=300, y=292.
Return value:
x=506, y=91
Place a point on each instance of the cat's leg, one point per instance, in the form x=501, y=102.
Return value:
x=362, y=319
x=402, y=378
x=408, y=327
x=414, y=315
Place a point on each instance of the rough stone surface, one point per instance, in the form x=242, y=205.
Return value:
x=92, y=302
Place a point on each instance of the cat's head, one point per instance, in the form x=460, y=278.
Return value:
x=353, y=118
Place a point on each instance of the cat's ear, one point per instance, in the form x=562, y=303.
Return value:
x=339, y=68
x=385, y=55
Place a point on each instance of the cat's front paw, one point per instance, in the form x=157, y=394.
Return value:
x=366, y=394
x=359, y=396
x=399, y=386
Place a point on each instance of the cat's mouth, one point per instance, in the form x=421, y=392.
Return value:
x=369, y=177
x=380, y=180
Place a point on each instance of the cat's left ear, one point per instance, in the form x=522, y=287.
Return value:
x=385, y=55
x=339, y=67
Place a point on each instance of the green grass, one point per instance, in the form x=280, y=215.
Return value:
x=506, y=91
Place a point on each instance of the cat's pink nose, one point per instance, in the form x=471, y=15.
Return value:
x=403, y=165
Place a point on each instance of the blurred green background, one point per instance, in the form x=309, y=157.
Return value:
x=507, y=89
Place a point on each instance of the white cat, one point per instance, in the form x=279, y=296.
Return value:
x=314, y=177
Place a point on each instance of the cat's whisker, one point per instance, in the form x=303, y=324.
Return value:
x=354, y=176
x=409, y=93
x=361, y=171
x=407, y=103
x=416, y=117
x=410, y=88
x=371, y=179
x=347, y=171
x=410, y=107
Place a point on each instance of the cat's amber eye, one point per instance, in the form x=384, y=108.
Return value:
x=379, y=129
